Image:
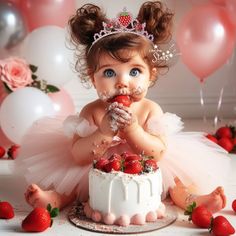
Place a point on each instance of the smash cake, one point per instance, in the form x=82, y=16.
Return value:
x=125, y=189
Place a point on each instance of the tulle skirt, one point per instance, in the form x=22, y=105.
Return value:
x=45, y=159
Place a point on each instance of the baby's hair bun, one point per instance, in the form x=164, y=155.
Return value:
x=85, y=23
x=158, y=20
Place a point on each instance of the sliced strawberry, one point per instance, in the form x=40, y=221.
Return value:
x=6, y=210
x=133, y=167
x=226, y=143
x=220, y=226
x=199, y=215
x=123, y=99
x=212, y=138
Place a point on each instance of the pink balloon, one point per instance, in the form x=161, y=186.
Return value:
x=47, y=12
x=231, y=10
x=62, y=103
x=219, y=2
x=206, y=39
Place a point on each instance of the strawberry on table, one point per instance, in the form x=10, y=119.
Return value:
x=199, y=215
x=39, y=219
x=212, y=138
x=225, y=132
x=6, y=210
x=226, y=143
x=2, y=152
x=220, y=226
x=13, y=151
x=234, y=205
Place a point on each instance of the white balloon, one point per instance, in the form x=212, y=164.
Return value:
x=20, y=109
x=46, y=47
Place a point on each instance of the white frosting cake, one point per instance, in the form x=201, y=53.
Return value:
x=123, y=199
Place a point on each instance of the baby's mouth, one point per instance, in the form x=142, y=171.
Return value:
x=126, y=100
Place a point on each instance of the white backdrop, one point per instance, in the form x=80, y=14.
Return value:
x=178, y=91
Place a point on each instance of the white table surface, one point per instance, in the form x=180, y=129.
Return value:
x=12, y=188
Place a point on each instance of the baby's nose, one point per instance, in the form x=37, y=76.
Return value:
x=120, y=85
x=122, y=82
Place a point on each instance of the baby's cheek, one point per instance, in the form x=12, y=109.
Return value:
x=137, y=90
x=104, y=95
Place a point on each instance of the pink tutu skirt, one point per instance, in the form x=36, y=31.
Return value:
x=46, y=159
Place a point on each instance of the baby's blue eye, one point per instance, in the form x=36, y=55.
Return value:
x=134, y=72
x=109, y=73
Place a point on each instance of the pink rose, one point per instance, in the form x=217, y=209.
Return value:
x=15, y=72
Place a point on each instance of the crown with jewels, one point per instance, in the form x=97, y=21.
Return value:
x=124, y=23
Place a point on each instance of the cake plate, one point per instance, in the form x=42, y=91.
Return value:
x=77, y=217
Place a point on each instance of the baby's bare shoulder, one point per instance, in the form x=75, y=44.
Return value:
x=92, y=111
x=152, y=107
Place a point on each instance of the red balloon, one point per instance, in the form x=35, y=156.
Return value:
x=62, y=103
x=206, y=39
x=47, y=12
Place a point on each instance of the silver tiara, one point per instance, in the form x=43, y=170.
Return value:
x=124, y=23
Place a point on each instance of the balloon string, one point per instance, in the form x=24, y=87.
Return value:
x=202, y=103
x=216, y=119
x=231, y=59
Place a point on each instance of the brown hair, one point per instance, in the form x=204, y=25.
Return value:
x=89, y=19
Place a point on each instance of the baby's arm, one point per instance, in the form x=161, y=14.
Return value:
x=138, y=137
x=86, y=149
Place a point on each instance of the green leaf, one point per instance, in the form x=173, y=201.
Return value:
x=33, y=68
x=52, y=89
x=34, y=77
x=54, y=212
x=8, y=90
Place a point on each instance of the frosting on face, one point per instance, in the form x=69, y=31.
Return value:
x=122, y=78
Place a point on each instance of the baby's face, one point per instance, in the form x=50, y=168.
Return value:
x=114, y=77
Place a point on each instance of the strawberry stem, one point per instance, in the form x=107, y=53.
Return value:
x=52, y=211
x=189, y=210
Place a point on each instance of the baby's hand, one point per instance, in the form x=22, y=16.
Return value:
x=121, y=116
x=106, y=125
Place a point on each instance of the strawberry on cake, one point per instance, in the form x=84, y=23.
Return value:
x=125, y=189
